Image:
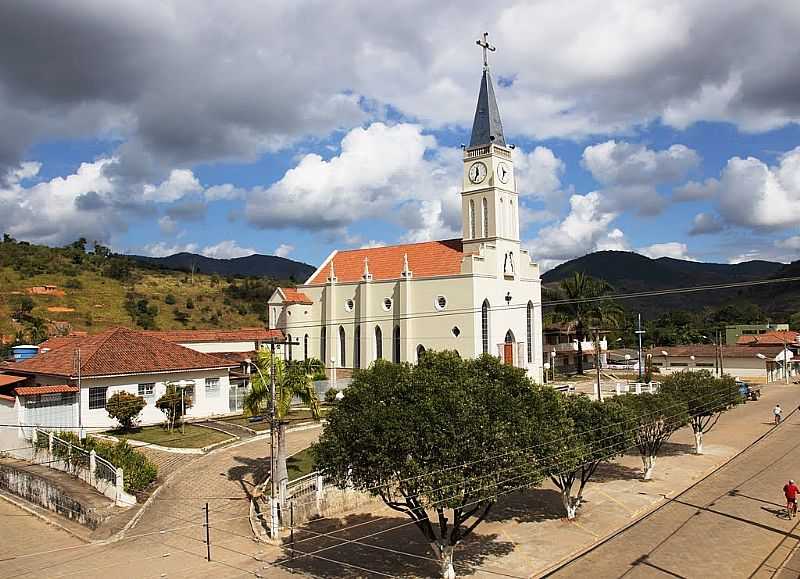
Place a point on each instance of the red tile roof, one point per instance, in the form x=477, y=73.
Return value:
x=118, y=351
x=6, y=379
x=295, y=297
x=34, y=390
x=427, y=259
x=775, y=338
x=240, y=335
x=59, y=341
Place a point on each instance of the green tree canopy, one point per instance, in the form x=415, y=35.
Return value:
x=705, y=396
x=125, y=408
x=173, y=404
x=444, y=437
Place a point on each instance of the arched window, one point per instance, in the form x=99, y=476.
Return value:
x=323, y=334
x=289, y=346
x=529, y=329
x=510, y=217
x=305, y=347
x=378, y=343
x=471, y=219
x=357, y=347
x=509, y=337
x=485, y=217
x=501, y=222
x=396, y=345
x=485, y=326
x=342, y=347
x=420, y=352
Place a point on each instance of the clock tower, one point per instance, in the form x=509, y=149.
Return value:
x=489, y=201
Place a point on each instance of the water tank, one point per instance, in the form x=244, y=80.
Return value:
x=24, y=352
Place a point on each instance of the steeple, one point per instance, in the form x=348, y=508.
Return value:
x=487, y=128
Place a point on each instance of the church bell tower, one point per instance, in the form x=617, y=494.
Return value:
x=489, y=201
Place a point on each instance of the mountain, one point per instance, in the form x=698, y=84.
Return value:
x=255, y=265
x=630, y=272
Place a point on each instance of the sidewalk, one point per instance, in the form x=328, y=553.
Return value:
x=525, y=534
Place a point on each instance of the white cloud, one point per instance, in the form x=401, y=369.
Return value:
x=696, y=191
x=283, y=250
x=585, y=229
x=167, y=225
x=181, y=182
x=630, y=173
x=753, y=194
x=704, y=223
x=673, y=249
x=789, y=243
x=163, y=249
x=538, y=172
x=227, y=249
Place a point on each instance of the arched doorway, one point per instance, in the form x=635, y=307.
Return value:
x=508, y=348
x=420, y=352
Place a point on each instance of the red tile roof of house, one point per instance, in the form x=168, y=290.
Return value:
x=59, y=341
x=708, y=350
x=34, y=390
x=6, y=379
x=774, y=338
x=295, y=297
x=426, y=259
x=240, y=335
x=118, y=351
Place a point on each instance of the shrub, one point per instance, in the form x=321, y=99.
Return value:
x=181, y=316
x=137, y=470
x=125, y=408
x=330, y=396
x=172, y=406
x=169, y=299
x=73, y=284
x=189, y=304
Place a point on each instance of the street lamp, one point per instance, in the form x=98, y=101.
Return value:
x=766, y=368
x=666, y=358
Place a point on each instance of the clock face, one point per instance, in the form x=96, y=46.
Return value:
x=503, y=172
x=477, y=172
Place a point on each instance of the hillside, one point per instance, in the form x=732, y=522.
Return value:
x=96, y=290
x=630, y=272
x=256, y=265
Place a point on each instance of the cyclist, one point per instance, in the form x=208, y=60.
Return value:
x=790, y=492
x=776, y=412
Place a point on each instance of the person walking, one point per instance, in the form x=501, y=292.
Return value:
x=790, y=492
x=777, y=412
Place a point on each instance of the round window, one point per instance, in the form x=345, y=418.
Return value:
x=349, y=305
x=440, y=303
x=387, y=304
x=456, y=332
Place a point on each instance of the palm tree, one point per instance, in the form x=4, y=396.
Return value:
x=585, y=315
x=291, y=379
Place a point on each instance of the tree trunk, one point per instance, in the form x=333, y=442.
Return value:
x=698, y=442
x=649, y=463
x=570, y=504
x=445, y=554
x=281, y=471
x=579, y=361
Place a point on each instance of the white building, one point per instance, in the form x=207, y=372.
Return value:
x=69, y=385
x=744, y=362
x=478, y=294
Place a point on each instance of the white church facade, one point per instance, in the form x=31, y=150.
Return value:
x=478, y=294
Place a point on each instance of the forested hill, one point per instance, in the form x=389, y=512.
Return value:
x=256, y=265
x=630, y=272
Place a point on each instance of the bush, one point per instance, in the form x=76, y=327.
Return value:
x=125, y=408
x=189, y=304
x=73, y=284
x=330, y=396
x=169, y=299
x=137, y=470
x=181, y=316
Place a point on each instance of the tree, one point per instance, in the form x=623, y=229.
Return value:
x=599, y=432
x=653, y=419
x=312, y=366
x=585, y=315
x=173, y=404
x=125, y=408
x=706, y=398
x=23, y=306
x=291, y=381
x=439, y=441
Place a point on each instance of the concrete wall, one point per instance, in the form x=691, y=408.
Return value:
x=216, y=347
x=10, y=436
x=737, y=367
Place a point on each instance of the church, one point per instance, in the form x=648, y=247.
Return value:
x=480, y=294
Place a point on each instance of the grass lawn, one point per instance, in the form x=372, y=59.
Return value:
x=300, y=464
x=195, y=436
x=294, y=416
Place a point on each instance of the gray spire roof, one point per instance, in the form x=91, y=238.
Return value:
x=487, y=128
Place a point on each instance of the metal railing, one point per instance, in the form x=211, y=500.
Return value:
x=76, y=459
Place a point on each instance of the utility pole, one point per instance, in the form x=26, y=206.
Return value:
x=639, y=333
x=785, y=359
x=597, y=364
x=721, y=363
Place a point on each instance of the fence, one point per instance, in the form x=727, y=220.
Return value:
x=94, y=470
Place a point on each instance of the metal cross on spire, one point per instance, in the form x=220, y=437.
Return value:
x=484, y=44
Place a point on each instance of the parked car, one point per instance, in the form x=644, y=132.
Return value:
x=748, y=391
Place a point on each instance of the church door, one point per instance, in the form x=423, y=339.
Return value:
x=508, y=348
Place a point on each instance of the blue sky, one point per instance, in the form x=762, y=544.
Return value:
x=294, y=128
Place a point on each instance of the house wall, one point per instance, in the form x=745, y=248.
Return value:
x=737, y=367
x=216, y=347
x=10, y=436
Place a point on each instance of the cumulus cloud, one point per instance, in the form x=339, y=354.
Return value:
x=227, y=249
x=630, y=173
x=673, y=249
x=167, y=225
x=283, y=250
x=792, y=242
x=181, y=182
x=705, y=223
x=586, y=228
x=696, y=191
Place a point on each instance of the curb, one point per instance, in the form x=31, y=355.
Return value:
x=668, y=498
x=44, y=518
